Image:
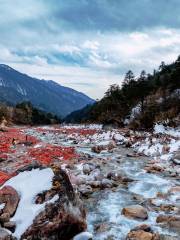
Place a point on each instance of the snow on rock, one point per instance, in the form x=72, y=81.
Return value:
x=28, y=184
x=83, y=236
x=163, y=145
x=2, y=206
x=159, y=128
x=83, y=126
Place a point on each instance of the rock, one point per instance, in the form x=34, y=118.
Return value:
x=135, y=211
x=171, y=221
x=10, y=226
x=111, y=145
x=143, y=227
x=86, y=169
x=176, y=159
x=154, y=169
x=85, y=190
x=167, y=237
x=4, y=234
x=62, y=219
x=4, y=217
x=141, y=235
x=102, y=227
x=10, y=197
x=174, y=189
x=97, y=149
x=31, y=166
x=83, y=236
x=95, y=184
x=106, y=183
x=96, y=174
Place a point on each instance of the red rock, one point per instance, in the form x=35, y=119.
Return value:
x=10, y=197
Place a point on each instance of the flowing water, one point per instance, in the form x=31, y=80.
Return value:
x=104, y=206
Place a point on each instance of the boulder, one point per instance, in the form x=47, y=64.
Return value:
x=141, y=235
x=106, y=183
x=154, y=169
x=111, y=145
x=85, y=190
x=135, y=211
x=86, y=169
x=102, y=227
x=175, y=189
x=97, y=149
x=10, y=197
x=4, y=217
x=10, y=226
x=171, y=221
x=62, y=219
x=167, y=237
x=4, y=234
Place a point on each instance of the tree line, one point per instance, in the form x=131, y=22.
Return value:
x=156, y=94
x=26, y=114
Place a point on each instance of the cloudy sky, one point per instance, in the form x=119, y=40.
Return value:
x=88, y=44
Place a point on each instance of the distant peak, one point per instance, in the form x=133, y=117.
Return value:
x=5, y=67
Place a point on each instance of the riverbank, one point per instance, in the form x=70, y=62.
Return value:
x=126, y=179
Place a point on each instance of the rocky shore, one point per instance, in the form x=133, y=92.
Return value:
x=84, y=182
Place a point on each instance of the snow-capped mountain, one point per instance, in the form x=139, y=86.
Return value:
x=49, y=96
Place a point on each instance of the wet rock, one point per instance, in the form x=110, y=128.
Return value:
x=174, y=189
x=85, y=190
x=86, y=169
x=10, y=197
x=106, y=183
x=141, y=235
x=62, y=219
x=171, y=221
x=95, y=184
x=168, y=237
x=102, y=227
x=97, y=149
x=96, y=175
x=168, y=208
x=111, y=145
x=4, y=234
x=154, y=169
x=143, y=227
x=107, y=146
x=135, y=211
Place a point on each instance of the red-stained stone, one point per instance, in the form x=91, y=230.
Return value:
x=4, y=177
x=50, y=153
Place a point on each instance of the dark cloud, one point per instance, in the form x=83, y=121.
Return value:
x=119, y=15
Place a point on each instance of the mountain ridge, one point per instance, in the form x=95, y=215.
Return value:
x=47, y=95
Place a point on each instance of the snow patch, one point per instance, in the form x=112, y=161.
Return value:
x=28, y=184
x=83, y=236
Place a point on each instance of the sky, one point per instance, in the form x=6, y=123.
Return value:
x=88, y=44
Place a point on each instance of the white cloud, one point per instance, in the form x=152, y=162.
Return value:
x=98, y=60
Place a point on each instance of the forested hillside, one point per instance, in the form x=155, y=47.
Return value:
x=140, y=101
x=25, y=113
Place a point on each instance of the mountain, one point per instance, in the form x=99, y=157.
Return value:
x=140, y=102
x=49, y=96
